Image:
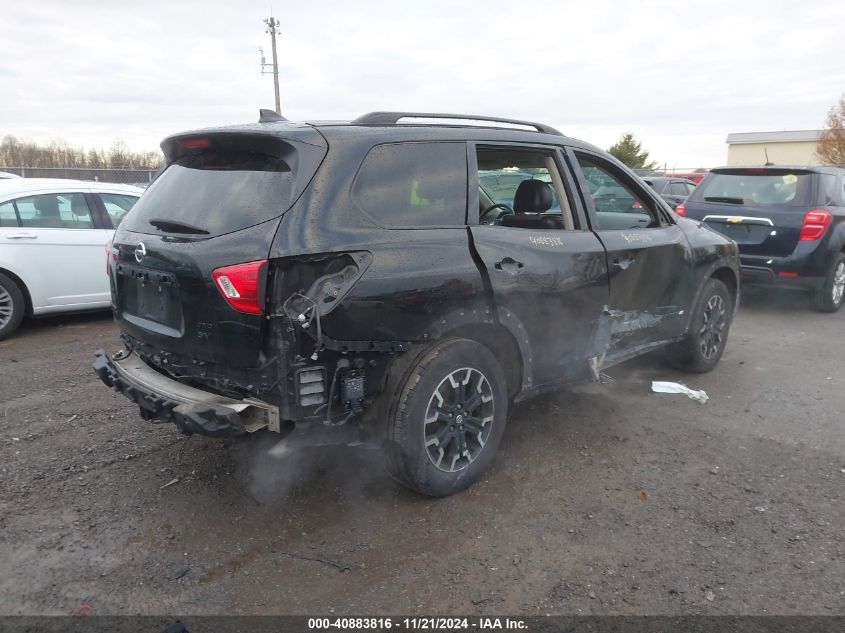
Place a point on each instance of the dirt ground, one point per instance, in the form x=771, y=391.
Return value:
x=604, y=500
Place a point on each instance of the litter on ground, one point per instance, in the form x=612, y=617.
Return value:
x=659, y=386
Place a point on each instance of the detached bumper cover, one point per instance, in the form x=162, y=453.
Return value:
x=192, y=410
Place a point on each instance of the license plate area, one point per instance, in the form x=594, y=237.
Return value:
x=743, y=233
x=150, y=297
x=742, y=230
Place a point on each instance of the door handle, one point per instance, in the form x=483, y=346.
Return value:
x=623, y=262
x=22, y=236
x=509, y=265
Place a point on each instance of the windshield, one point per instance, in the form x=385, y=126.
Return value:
x=214, y=192
x=761, y=188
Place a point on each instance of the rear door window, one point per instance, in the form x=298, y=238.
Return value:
x=55, y=211
x=413, y=185
x=501, y=174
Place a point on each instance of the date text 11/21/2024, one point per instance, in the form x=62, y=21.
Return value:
x=417, y=624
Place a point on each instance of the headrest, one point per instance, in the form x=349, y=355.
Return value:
x=47, y=206
x=532, y=196
x=78, y=205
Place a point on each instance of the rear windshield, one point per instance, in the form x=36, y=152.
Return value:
x=216, y=192
x=763, y=188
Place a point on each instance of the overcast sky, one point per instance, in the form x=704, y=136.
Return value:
x=679, y=75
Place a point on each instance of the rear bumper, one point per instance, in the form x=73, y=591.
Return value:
x=192, y=410
x=804, y=269
x=767, y=276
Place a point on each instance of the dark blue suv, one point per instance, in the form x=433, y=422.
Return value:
x=789, y=224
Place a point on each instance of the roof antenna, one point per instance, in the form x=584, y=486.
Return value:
x=768, y=162
x=269, y=116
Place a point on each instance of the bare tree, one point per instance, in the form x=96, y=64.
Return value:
x=15, y=152
x=831, y=147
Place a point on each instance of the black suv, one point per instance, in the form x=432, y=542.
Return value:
x=672, y=190
x=789, y=223
x=354, y=283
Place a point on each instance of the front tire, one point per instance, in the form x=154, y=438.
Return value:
x=702, y=347
x=829, y=297
x=447, y=418
x=12, y=306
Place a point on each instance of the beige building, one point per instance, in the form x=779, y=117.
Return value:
x=796, y=147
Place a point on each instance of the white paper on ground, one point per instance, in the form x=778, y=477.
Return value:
x=659, y=386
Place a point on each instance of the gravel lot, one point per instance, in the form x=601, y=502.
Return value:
x=604, y=500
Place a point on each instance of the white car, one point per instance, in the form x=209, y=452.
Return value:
x=53, y=237
x=6, y=174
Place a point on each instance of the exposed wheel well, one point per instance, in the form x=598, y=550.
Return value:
x=22, y=286
x=503, y=346
x=727, y=277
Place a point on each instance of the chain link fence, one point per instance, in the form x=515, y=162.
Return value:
x=139, y=177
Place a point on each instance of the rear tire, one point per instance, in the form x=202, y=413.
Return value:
x=829, y=297
x=12, y=306
x=447, y=418
x=702, y=347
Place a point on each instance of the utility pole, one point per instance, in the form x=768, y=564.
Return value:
x=272, y=29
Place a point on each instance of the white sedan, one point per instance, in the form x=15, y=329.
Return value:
x=53, y=236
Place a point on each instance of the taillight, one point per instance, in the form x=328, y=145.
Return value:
x=239, y=285
x=636, y=205
x=815, y=224
x=681, y=209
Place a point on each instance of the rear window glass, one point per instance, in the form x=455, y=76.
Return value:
x=413, y=184
x=782, y=188
x=218, y=191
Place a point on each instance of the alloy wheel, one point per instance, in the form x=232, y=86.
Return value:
x=458, y=419
x=838, y=283
x=712, y=330
x=6, y=307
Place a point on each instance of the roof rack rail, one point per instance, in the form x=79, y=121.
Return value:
x=392, y=118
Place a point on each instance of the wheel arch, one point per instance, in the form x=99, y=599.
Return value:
x=502, y=344
x=728, y=274
x=24, y=290
x=728, y=277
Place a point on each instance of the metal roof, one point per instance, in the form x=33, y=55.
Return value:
x=18, y=186
x=786, y=136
